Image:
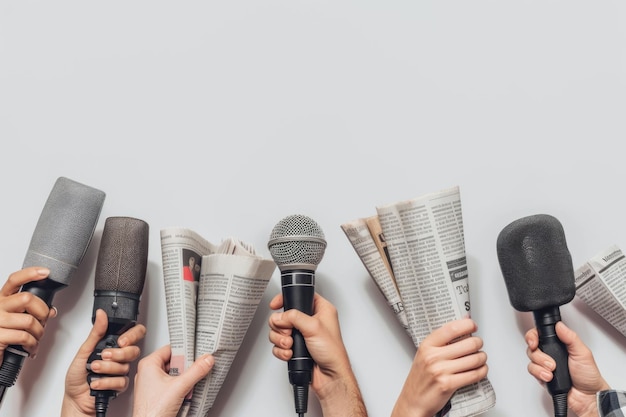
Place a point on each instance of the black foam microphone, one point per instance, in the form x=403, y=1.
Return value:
x=119, y=281
x=539, y=276
x=59, y=243
x=297, y=245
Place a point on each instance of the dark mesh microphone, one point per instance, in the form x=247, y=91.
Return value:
x=297, y=245
x=59, y=242
x=120, y=276
x=539, y=276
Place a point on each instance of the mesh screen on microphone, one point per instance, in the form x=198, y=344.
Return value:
x=123, y=255
x=65, y=228
x=297, y=240
x=536, y=264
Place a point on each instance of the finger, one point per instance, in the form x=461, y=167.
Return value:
x=132, y=336
x=116, y=383
x=98, y=331
x=469, y=377
x=25, y=302
x=281, y=340
x=21, y=277
x=276, y=302
x=198, y=370
x=159, y=358
x=450, y=331
x=282, y=354
x=307, y=325
x=541, y=359
x=461, y=348
x=110, y=368
x=540, y=373
x=532, y=338
x=121, y=355
x=467, y=363
x=19, y=337
x=278, y=324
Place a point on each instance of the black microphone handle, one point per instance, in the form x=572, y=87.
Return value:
x=298, y=287
x=14, y=355
x=122, y=309
x=549, y=343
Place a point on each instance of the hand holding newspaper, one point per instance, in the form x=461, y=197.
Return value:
x=212, y=294
x=414, y=250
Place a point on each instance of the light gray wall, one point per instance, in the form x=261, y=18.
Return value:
x=227, y=116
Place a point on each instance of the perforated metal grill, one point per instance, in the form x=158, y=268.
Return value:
x=297, y=239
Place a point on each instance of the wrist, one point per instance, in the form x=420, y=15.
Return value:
x=341, y=397
x=69, y=408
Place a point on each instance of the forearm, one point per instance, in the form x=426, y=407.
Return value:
x=342, y=397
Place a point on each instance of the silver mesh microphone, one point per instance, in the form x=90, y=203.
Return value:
x=59, y=243
x=297, y=245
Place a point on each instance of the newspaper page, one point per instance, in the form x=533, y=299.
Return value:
x=426, y=248
x=232, y=283
x=600, y=284
x=182, y=251
x=363, y=235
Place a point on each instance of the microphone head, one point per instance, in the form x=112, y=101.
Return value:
x=297, y=242
x=123, y=256
x=536, y=264
x=64, y=229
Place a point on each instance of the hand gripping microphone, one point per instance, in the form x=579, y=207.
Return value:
x=120, y=275
x=297, y=245
x=539, y=276
x=59, y=242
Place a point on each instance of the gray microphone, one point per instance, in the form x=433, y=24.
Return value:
x=297, y=245
x=120, y=276
x=59, y=243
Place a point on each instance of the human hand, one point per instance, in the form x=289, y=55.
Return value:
x=158, y=394
x=585, y=375
x=446, y=360
x=17, y=328
x=333, y=380
x=115, y=364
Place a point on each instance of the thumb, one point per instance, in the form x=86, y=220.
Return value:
x=198, y=370
x=575, y=346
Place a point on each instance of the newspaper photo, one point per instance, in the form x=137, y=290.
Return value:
x=600, y=284
x=426, y=282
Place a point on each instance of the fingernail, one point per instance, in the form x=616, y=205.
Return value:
x=121, y=342
x=43, y=272
x=107, y=354
x=545, y=376
x=209, y=360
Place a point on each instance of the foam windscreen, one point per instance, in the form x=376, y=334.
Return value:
x=65, y=228
x=536, y=263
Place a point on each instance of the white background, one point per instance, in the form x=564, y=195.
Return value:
x=227, y=116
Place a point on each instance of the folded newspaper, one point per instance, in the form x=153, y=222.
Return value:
x=212, y=293
x=600, y=284
x=414, y=251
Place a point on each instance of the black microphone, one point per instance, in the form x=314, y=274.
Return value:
x=119, y=280
x=297, y=245
x=59, y=243
x=539, y=276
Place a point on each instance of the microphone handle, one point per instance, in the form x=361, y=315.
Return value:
x=561, y=383
x=14, y=355
x=298, y=287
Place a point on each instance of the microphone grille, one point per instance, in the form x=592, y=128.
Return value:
x=297, y=240
x=536, y=263
x=123, y=255
x=65, y=228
